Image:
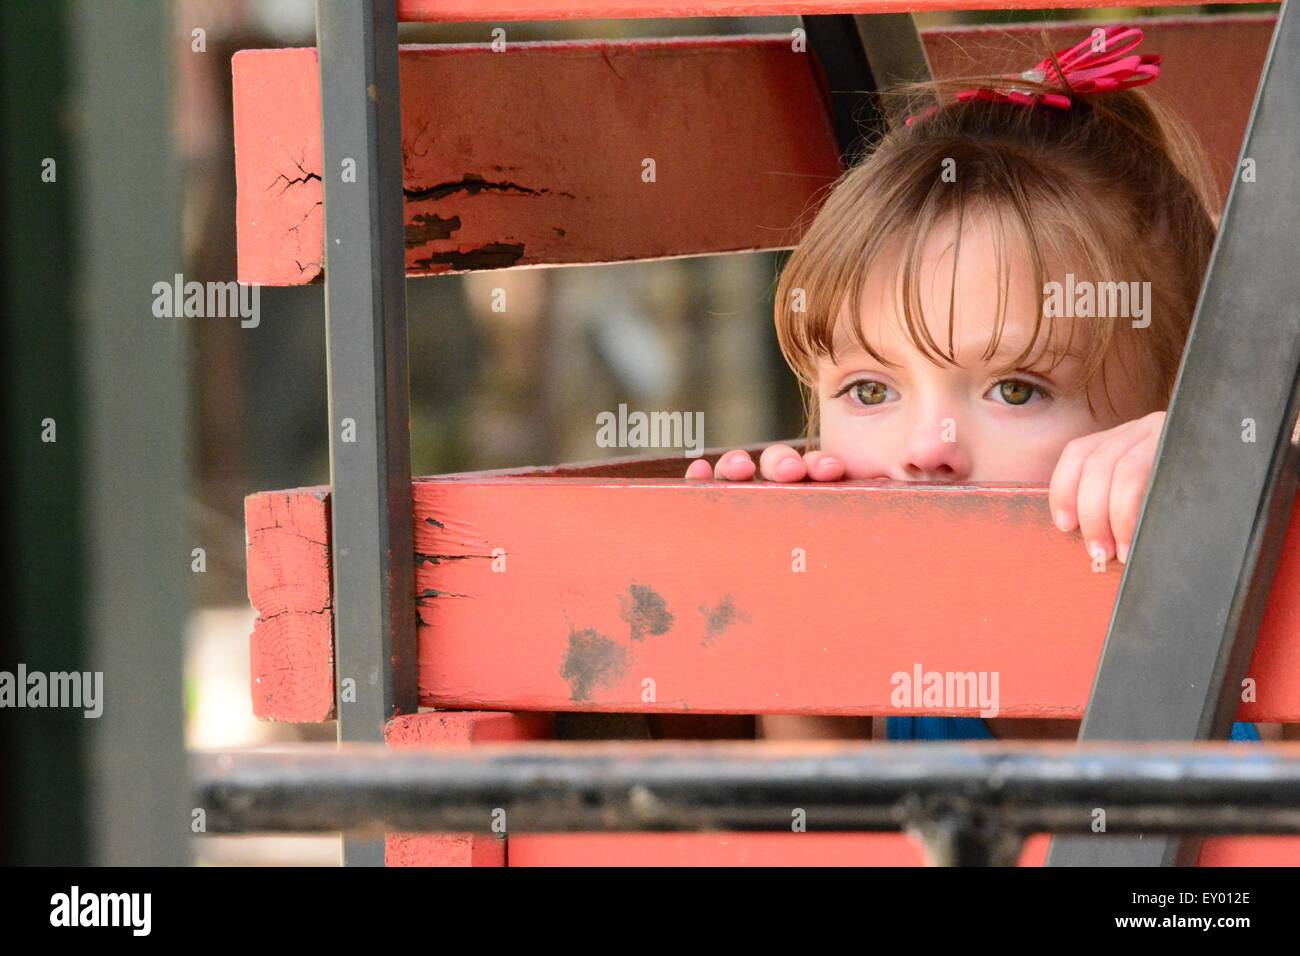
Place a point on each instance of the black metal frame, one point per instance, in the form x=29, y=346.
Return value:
x=860, y=55
x=365, y=311
x=1164, y=637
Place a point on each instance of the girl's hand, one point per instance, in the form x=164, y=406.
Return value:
x=1100, y=481
x=777, y=463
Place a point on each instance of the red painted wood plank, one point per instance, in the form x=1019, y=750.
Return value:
x=291, y=648
x=289, y=584
x=715, y=849
x=820, y=849
x=500, y=170
x=691, y=586
x=493, y=11
x=440, y=730
x=279, y=211
x=553, y=594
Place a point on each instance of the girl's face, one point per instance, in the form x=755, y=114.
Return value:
x=918, y=421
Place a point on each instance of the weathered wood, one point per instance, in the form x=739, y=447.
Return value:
x=493, y=11
x=502, y=170
x=289, y=584
x=604, y=584
x=445, y=729
x=291, y=649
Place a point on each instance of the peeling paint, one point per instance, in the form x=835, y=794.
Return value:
x=472, y=184
x=428, y=227
x=469, y=183
x=494, y=255
x=422, y=558
x=429, y=593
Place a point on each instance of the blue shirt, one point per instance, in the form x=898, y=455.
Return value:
x=973, y=728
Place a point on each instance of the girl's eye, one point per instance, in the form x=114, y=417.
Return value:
x=1014, y=391
x=866, y=392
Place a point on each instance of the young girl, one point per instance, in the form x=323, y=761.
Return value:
x=922, y=309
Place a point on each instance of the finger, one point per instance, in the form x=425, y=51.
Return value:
x=699, y=470
x=1063, y=495
x=1093, y=502
x=823, y=467
x=734, y=466
x=781, y=463
x=1128, y=486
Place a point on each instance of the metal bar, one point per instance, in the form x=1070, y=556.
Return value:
x=994, y=792
x=1194, y=590
x=133, y=428
x=894, y=48
x=365, y=308
x=860, y=55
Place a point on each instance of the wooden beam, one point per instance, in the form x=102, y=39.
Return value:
x=661, y=595
x=501, y=169
x=291, y=650
x=493, y=11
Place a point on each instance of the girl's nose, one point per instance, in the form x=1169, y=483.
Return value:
x=933, y=454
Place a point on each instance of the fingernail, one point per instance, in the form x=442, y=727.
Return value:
x=1062, y=520
x=1121, y=552
x=787, y=469
x=1096, y=551
x=830, y=463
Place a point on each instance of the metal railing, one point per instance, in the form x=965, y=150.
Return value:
x=970, y=804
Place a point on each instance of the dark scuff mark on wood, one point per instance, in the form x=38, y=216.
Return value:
x=494, y=255
x=592, y=660
x=435, y=522
x=645, y=611
x=718, y=619
x=604, y=53
x=428, y=227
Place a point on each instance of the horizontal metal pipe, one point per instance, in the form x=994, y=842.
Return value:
x=566, y=787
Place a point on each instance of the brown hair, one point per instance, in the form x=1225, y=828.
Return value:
x=1114, y=187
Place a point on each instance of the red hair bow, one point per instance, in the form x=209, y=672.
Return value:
x=1102, y=63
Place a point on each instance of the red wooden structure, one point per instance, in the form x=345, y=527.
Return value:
x=617, y=586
